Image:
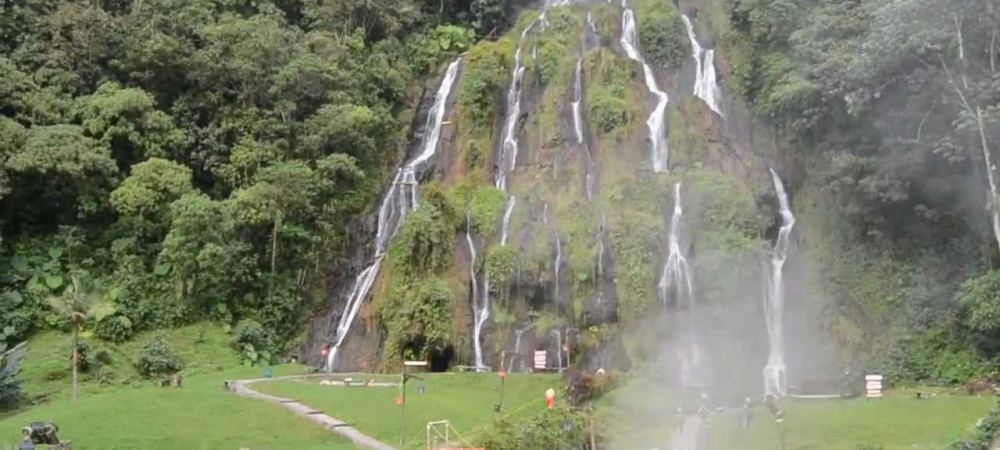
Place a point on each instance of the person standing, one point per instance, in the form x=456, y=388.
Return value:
x=747, y=414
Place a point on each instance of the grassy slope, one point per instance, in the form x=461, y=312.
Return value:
x=467, y=400
x=126, y=412
x=204, y=348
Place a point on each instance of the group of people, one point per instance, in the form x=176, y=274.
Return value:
x=705, y=410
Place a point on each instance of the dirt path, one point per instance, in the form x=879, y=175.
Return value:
x=242, y=388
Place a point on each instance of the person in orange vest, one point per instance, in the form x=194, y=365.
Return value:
x=550, y=398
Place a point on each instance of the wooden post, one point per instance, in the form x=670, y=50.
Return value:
x=593, y=434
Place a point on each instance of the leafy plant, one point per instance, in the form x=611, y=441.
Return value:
x=10, y=384
x=253, y=341
x=156, y=357
x=115, y=328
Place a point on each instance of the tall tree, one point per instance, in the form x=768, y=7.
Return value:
x=77, y=305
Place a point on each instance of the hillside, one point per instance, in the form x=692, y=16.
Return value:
x=742, y=198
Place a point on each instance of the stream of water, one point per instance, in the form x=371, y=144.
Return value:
x=401, y=198
x=775, y=378
x=657, y=132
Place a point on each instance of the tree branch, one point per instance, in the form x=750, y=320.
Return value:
x=920, y=127
x=951, y=79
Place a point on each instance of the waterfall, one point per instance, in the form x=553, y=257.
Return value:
x=577, y=106
x=705, y=85
x=590, y=22
x=517, y=351
x=559, y=349
x=545, y=213
x=578, y=100
x=477, y=347
x=509, y=146
x=482, y=315
x=557, y=263
x=507, y=161
x=398, y=200
x=505, y=226
x=775, y=380
x=676, y=276
x=630, y=42
x=676, y=283
x=600, y=248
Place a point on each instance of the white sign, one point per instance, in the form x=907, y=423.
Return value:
x=873, y=386
x=541, y=359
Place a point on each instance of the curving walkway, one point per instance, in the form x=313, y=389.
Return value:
x=242, y=388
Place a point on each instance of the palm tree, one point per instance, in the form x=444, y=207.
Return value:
x=77, y=306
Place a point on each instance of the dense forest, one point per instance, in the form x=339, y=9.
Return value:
x=192, y=160
x=211, y=160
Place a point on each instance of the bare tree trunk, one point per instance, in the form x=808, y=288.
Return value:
x=274, y=240
x=994, y=207
x=76, y=356
x=993, y=52
x=961, y=48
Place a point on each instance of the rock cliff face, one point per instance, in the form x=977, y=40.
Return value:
x=546, y=219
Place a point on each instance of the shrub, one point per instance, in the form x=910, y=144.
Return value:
x=253, y=341
x=82, y=356
x=662, y=34
x=561, y=428
x=115, y=329
x=157, y=358
x=982, y=436
x=10, y=385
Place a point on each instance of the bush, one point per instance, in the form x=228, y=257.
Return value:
x=157, y=358
x=114, y=329
x=982, y=436
x=10, y=385
x=662, y=34
x=82, y=356
x=253, y=341
x=556, y=429
x=249, y=331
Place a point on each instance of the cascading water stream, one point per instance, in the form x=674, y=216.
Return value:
x=655, y=124
x=558, y=263
x=577, y=106
x=706, y=86
x=775, y=379
x=559, y=349
x=676, y=284
x=578, y=100
x=477, y=325
x=590, y=22
x=600, y=248
x=517, y=350
x=505, y=226
x=398, y=200
x=507, y=161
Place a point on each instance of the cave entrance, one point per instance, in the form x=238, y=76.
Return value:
x=441, y=359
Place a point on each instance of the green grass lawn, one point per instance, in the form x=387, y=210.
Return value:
x=641, y=415
x=466, y=400
x=117, y=409
x=896, y=422
x=201, y=415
